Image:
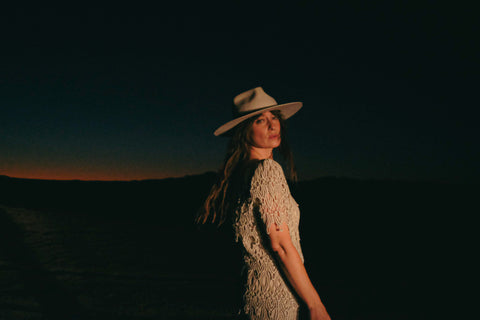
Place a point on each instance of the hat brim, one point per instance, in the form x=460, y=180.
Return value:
x=287, y=110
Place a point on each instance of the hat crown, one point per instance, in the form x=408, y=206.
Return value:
x=252, y=100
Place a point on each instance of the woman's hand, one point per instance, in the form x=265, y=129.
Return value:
x=294, y=269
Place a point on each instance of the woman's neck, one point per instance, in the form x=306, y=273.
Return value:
x=260, y=153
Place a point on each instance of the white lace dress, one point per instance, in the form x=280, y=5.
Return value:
x=268, y=294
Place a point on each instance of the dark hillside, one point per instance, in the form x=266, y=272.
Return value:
x=170, y=200
x=367, y=244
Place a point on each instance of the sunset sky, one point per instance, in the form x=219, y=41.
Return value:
x=135, y=92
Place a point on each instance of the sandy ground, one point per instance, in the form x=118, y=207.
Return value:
x=55, y=266
x=131, y=250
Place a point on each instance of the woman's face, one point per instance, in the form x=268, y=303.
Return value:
x=265, y=132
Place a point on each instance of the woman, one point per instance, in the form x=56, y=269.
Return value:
x=253, y=191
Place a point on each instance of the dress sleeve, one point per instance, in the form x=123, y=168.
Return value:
x=270, y=193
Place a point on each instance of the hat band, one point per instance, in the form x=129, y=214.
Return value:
x=244, y=113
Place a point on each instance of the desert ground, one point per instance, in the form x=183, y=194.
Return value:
x=130, y=250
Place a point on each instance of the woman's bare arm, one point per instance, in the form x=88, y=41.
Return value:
x=295, y=270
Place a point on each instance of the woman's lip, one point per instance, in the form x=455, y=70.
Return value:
x=275, y=136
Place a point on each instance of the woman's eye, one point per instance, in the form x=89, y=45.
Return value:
x=259, y=120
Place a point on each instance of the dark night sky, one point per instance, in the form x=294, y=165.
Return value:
x=135, y=92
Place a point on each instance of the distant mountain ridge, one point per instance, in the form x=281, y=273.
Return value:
x=186, y=194
x=212, y=173
x=133, y=180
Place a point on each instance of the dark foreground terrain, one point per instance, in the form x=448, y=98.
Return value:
x=130, y=250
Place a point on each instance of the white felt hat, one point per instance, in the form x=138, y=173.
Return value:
x=254, y=102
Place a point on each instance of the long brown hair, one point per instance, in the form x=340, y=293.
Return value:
x=218, y=202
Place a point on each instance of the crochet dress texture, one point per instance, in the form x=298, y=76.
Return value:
x=267, y=294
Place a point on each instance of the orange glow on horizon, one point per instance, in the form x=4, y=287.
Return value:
x=84, y=176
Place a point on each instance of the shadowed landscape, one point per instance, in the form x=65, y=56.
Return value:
x=130, y=91
x=375, y=249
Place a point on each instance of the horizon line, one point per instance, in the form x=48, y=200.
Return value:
x=406, y=180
